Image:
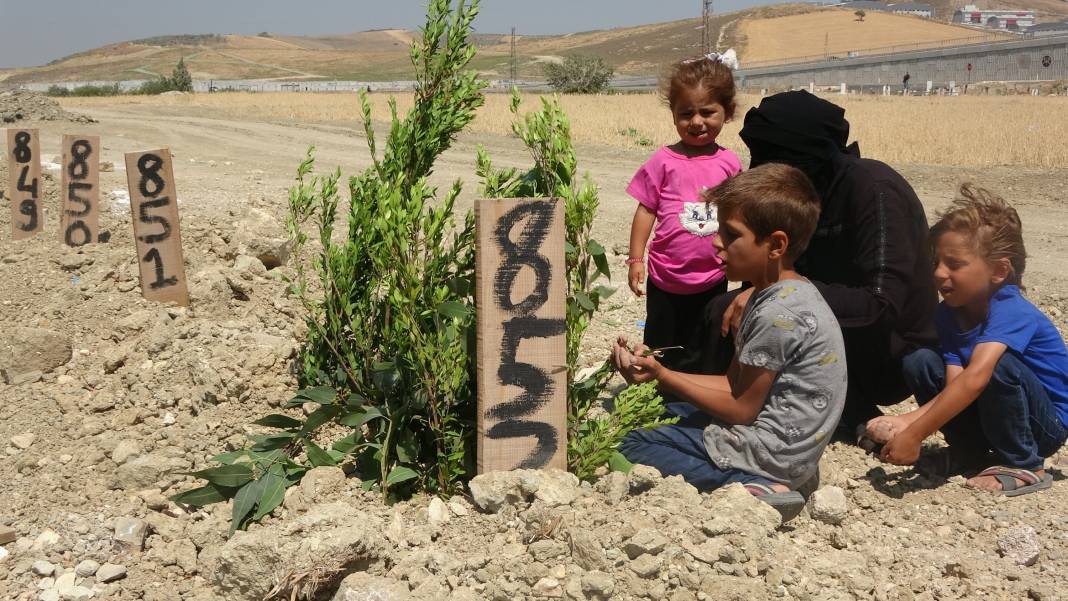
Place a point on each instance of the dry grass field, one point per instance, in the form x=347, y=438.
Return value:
x=974, y=131
x=836, y=32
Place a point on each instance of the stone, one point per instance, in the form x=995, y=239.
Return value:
x=49, y=595
x=545, y=550
x=110, y=572
x=616, y=486
x=492, y=491
x=458, y=508
x=645, y=566
x=1020, y=545
x=24, y=350
x=246, y=567
x=65, y=584
x=23, y=441
x=125, y=451
x=78, y=593
x=7, y=535
x=548, y=587
x=586, y=551
x=148, y=471
x=597, y=585
x=86, y=568
x=43, y=568
x=738, y=512
x=643, y=478
x=361, y=586
x=648, y=541
x=437, y=513
x=829, y=505
x=46, y=539
x=131, y=533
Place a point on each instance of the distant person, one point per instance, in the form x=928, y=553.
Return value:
x=905, y=83
x=766, y=422
x=998, y=390
x=868, y=258
x=684, y=273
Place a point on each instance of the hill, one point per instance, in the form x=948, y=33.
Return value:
x=770, y=33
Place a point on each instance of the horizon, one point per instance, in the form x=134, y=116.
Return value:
x=34, y=34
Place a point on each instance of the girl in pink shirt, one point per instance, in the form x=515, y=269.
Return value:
x=684, y=271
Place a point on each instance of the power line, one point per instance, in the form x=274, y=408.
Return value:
x=706, y=26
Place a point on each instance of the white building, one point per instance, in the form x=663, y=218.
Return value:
x=915, y=9
x=995, y=18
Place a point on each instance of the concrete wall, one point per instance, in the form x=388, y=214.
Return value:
x=1016, y=60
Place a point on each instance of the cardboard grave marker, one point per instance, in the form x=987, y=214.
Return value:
x=24, y=179
x=522, y=357
x=154, y=208
x=79, y=219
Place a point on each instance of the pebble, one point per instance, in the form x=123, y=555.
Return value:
x=45, y=539
x=829, y=505
x=87, y=568
x=1020, y=545
x=110, y=572
x=49, y=595
x=131, y=532
x=43, y=568
x=7, y=535
x=23, y=441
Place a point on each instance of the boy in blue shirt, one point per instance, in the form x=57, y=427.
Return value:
x=1000, y=385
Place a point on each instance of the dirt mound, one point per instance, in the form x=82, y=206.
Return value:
x=23, y=105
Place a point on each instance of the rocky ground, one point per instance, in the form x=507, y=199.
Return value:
x=21, y=105
x=107, y=398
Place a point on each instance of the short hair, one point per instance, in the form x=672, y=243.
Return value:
x=710, y=75
x=769, y=198
x=993, y=226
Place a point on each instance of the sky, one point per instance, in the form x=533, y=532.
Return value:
x=34, y=32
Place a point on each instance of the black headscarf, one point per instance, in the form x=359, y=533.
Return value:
x=801, y=130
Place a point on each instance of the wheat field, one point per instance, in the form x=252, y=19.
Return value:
x=953, y=131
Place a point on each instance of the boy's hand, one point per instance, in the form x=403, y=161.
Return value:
x=882, y=429
x=732, y=317
x=903, y=449
x=635, y=368
x=636, y=278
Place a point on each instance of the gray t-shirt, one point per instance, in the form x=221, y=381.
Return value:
x=789, y=329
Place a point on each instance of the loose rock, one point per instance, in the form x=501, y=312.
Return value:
x=131, y=533
x=110, y=572
x=1020, y=545
x=829, y=505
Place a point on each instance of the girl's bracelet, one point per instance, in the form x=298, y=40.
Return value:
x=632, y=260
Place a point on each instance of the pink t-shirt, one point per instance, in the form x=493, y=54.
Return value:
x=681, y=257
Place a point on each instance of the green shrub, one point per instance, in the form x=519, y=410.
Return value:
x=58, y=91
x=181, y=80
x=579, y=75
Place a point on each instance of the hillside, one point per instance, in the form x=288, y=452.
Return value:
x=770, y=33
x=836, y=32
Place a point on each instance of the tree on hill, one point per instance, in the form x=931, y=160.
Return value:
x=860, y=15
x=579, y=75
x=181, y=80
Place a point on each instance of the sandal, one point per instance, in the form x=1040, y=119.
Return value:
x=1008, y=477
x=789, y=504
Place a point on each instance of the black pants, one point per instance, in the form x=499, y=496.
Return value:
x=875, y=377
x=675, y=320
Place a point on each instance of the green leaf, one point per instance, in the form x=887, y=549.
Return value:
x=232, y=456
x=584, y=301
x=317, y=456
x=244, y=502
x=355, y=399
x=569, y=248
x=454, y=310
x=400, y=474
x=346, y=444
x=319, y=417
x=278, y=421
x=356, y=419
x=324, y=395
x=386, y=377
x=205, y=495
x=272, y=492
x=601, y=262
x=618, y=463
x=230, y=476
x=605, y=292
x=271, y=442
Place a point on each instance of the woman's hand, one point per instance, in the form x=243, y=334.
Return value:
x=732, y=317
x=636, y=278
x=882, y=429
x=633, y=366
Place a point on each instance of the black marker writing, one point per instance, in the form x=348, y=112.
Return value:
x=149, y=166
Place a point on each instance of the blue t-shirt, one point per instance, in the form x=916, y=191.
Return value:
x=1029, y=335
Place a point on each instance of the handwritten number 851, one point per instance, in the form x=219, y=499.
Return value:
x=149, y=166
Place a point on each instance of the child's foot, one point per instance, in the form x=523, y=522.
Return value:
x=788, y=503
x=1010, y=481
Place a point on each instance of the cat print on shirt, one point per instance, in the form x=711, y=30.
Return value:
x=699, y=218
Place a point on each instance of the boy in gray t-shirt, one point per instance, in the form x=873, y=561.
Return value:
x=766, y=423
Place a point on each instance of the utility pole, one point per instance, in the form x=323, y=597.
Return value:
x=706, y=27
x=514, y=67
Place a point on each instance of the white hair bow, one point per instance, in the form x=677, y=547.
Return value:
x=728, y=58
